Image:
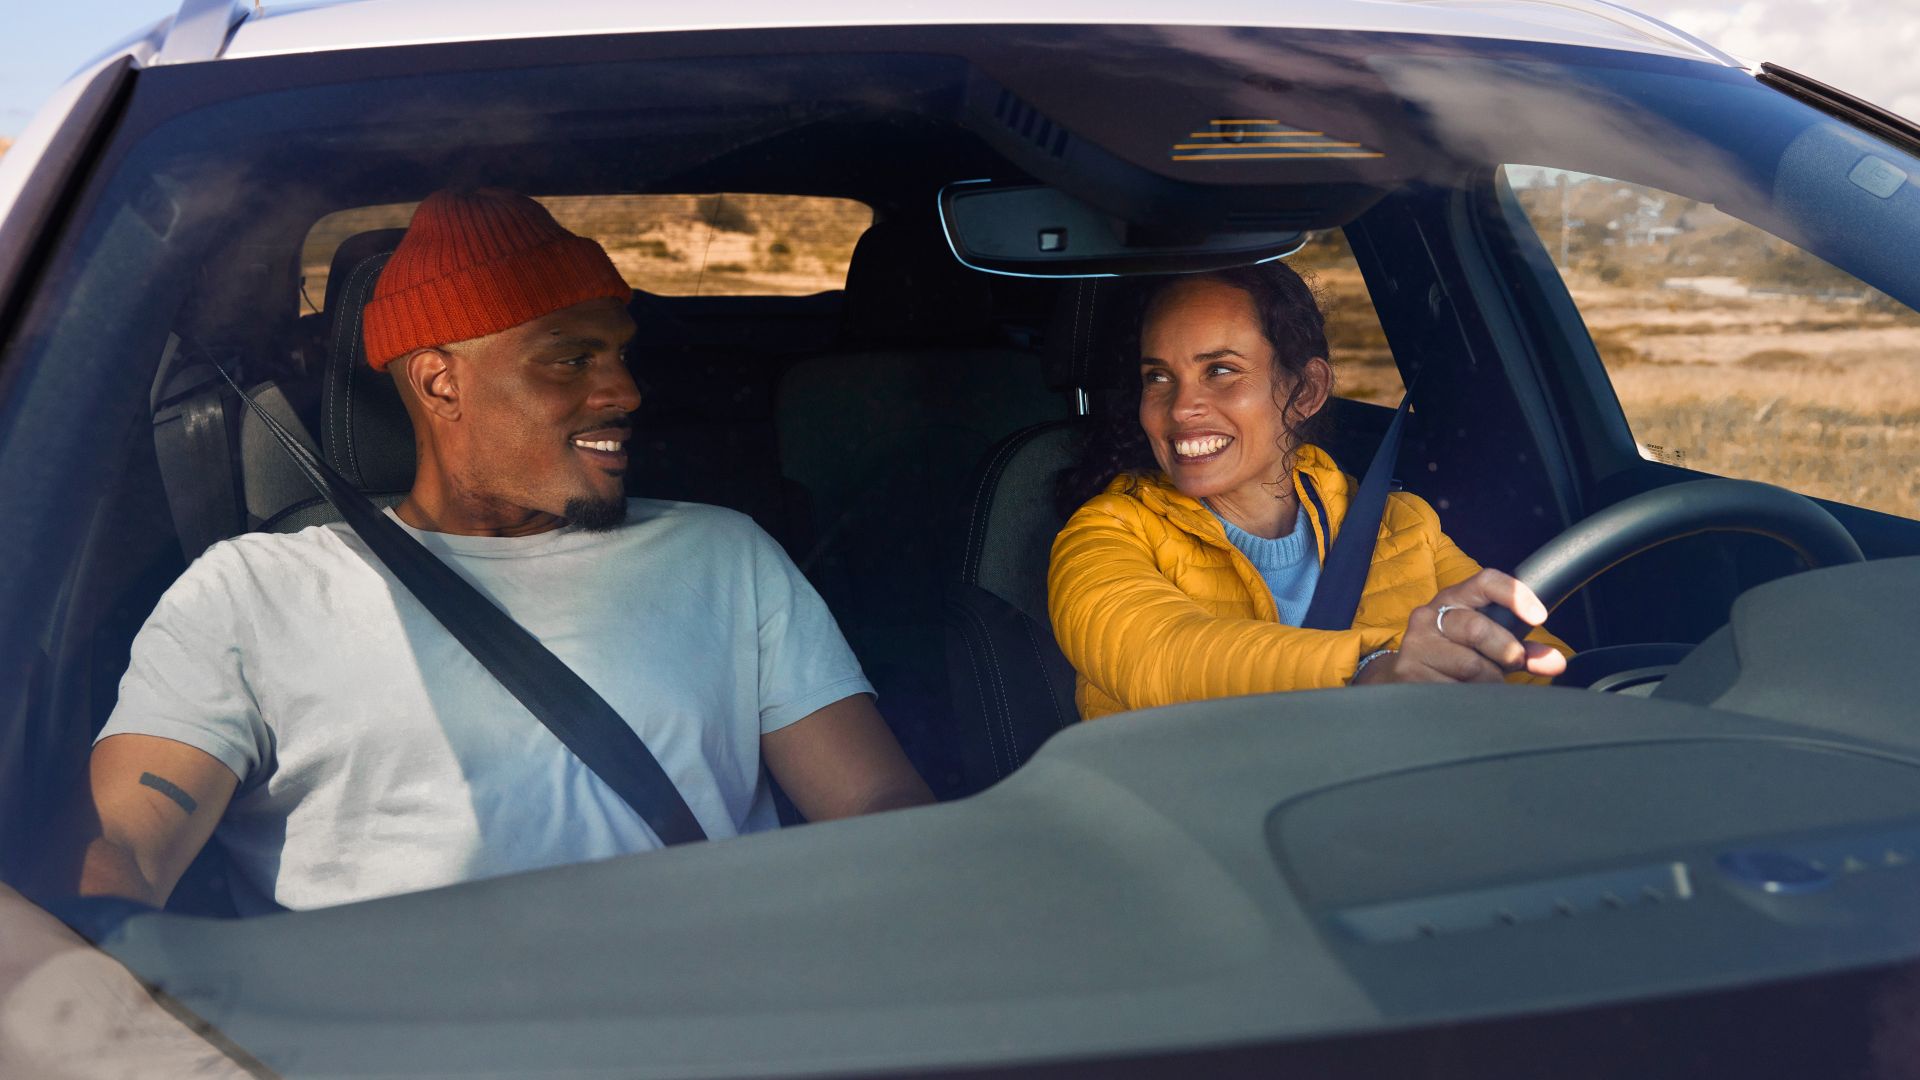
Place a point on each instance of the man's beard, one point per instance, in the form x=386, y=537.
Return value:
x=596, y=515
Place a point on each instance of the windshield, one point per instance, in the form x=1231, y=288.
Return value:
x=1596, y=273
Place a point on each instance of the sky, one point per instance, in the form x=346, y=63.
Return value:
x=1864, y=46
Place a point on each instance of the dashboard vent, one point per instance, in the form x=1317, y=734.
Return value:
x=1512, y=905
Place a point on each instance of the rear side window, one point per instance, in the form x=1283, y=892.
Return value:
x=670, y=245
x=1732, y=351
x=1362, y=363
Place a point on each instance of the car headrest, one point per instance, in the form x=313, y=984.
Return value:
x=1012, y=517
x=1090, y=331
x=904, y=287
x=353, y=251
x=364, y=429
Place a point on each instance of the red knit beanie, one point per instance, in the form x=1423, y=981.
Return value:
x=475, y=263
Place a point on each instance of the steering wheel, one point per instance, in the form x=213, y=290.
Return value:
x=1633, y=525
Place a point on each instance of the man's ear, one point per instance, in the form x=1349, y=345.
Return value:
x=1316, y=386
x=427, y=376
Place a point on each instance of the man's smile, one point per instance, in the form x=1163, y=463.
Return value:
x=606, y=447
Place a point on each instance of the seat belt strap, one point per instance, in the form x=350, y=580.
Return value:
x=1344, y=575
x=550, y=690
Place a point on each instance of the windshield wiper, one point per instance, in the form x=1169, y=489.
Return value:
x=1841, y=105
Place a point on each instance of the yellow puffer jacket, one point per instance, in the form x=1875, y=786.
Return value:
x=1153, y=605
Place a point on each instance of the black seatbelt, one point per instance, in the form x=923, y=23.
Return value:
x=560, y=699
x=1344, y=575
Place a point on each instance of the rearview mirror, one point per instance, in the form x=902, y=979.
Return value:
x=1030, y=230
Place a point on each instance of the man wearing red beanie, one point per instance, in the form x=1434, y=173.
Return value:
x=290, y=692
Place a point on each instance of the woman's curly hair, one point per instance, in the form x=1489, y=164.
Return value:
x=1290, y=319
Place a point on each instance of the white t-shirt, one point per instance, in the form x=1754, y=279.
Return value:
x=376, y=755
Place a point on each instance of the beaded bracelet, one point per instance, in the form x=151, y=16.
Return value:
x=1368, y=659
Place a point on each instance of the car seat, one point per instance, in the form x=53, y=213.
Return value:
x=883, y=435
x=1011, y=686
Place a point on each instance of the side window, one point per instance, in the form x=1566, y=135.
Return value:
x=1732, y=351
x=1362, y=363
x=669, y=245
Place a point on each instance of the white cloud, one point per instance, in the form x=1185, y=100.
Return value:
x=1866, y=47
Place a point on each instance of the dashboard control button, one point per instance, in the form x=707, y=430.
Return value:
x=1774, y=872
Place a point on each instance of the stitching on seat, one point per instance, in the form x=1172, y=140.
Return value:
x=1052, y=700
x=354, y=286
x=1002, y=763
x=993, y=748
x=1086, y=336
x=983, y=504
x=983, y=509
x=353, y=452
x=975, y=523
x=343, y=341
x=1079, y=336
x=329, y=409
x=1000, y=686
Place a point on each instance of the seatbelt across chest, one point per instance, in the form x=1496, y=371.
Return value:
x=560, y=699
x=1344, y=575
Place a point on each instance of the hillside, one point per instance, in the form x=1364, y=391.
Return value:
x=1623, y=234
x=672, y=245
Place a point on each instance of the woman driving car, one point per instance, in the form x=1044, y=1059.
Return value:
x=1187, y=573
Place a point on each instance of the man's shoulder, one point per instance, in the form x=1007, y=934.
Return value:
x=313, y=546
x=693, y=513
x=250, y=571
x=649, y=519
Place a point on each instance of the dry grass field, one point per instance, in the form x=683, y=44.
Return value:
x=1819, y=395
x=1736, y=353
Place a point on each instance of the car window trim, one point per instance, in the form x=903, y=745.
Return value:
x=1842, y=106
x=52, y=189
x=1600, y=440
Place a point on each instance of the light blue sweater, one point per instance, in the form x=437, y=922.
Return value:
x=1290, y=565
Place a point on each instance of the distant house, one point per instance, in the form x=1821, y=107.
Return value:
x=1725, y=287
x=1644, y=225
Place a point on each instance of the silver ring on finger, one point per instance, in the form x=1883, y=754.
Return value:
x=1440, y=617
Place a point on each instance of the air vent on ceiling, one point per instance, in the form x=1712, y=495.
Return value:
x=1030, y=124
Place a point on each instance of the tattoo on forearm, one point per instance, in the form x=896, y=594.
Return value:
x=170, y=789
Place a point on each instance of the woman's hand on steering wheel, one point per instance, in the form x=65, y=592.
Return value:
x=1448, y=640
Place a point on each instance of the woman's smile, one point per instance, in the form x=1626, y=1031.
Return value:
x=1200, y=447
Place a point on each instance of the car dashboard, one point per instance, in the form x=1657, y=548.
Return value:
x=1232, y=872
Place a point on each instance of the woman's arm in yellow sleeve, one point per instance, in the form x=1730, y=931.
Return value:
x=1129, y=631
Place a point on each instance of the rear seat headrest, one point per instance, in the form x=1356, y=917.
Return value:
x=352, y=251
x=1092, y=327
x=904, y=287
x=364, y=429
